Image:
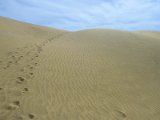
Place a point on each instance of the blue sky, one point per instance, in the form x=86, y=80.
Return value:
x=85, y=14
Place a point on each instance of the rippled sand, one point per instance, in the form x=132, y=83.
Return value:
x=49, y=74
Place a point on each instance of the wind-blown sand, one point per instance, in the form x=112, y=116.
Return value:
x=49, y=74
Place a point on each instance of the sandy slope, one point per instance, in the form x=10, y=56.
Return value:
x=48, y=74
x=150, y=34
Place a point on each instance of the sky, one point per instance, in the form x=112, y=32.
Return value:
x=74, y=15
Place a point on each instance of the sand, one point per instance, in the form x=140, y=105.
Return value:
x=98, y=74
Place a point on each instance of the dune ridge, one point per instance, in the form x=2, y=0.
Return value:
x=98, y=74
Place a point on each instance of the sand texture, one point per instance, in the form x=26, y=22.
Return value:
x=98, y=74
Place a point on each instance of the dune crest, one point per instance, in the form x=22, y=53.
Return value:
x=50, y=74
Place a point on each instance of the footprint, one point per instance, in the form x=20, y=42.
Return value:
x=31, y=73
x=32, y=58
x=28, y=76
x=31, y=116
x=31, y=67
x=27, y=65
x=22, y=70
x=10, y=53
x=120, y=115
x=19, y=58
x=20, y=79
x=10, y=62
x=1, y=89
x=39, y=49
x=26, y=89
x=7, y=66
x=16, y=62
x=4, y=68
x=12, y=106
x=16, y=103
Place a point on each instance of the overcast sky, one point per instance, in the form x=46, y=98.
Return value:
x=85, y=14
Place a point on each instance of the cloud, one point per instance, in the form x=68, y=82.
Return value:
x=85, y=14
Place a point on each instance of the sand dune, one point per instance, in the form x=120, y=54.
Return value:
x=150, y=34
x=50, y=74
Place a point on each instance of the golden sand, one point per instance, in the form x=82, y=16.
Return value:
x=50, y=74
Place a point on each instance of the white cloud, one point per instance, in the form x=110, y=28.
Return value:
x=81, y=14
